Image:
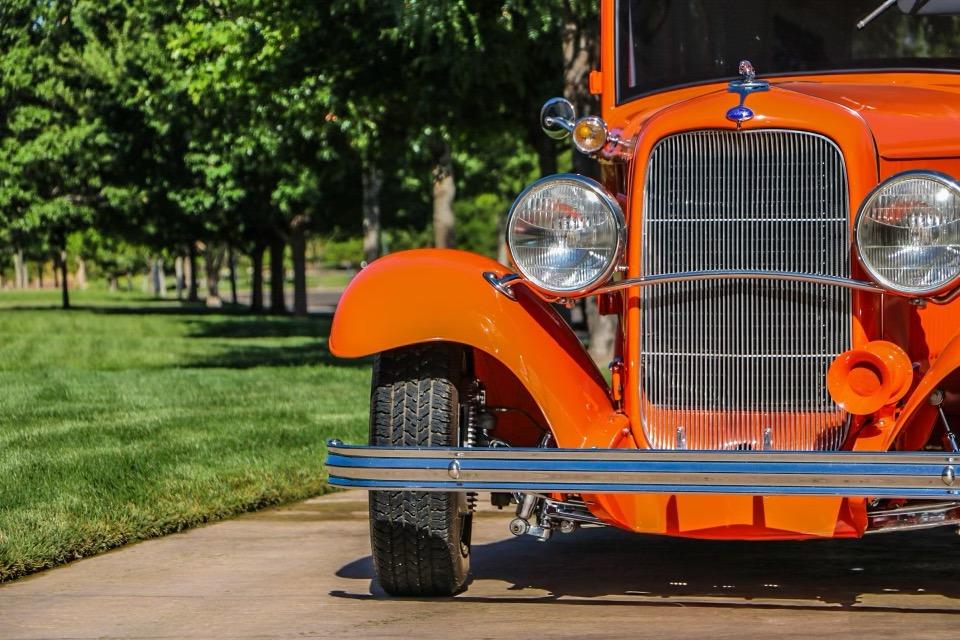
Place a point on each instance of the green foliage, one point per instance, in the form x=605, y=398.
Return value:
x=402, y=239
x=109, y=257
x=347, y=252
x=478, y=223
x=236, y=122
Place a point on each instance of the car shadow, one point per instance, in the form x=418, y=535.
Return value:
x=621, y=567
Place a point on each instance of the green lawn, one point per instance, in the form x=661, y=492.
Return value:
x=125, y=418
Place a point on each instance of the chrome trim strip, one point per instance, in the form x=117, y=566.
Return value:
x=736, y=274
x=511, y=280
x=534, y=455
x=916, y=509
x=907, y=475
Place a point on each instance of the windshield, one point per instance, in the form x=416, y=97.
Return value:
x=666, y=43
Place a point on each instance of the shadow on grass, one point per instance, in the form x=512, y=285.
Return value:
x=259, y=326
x=247, y=328
x=252, y=356
x=182, y=308
x=234, y=332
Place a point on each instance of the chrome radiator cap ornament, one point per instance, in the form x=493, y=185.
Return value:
x=743, y=87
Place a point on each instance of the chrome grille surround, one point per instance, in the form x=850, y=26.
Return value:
x=742, y=364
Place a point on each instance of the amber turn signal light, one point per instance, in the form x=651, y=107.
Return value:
x=861, y=381
x=590, y=134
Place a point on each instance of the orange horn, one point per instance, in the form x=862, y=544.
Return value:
x=861, y=381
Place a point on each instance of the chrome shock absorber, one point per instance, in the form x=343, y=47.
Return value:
x=472, y=433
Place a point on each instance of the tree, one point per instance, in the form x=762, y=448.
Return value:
x=55, y=145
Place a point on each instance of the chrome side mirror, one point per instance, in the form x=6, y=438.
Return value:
x=557, y=118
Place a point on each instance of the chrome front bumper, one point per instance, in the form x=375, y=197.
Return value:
x=849, y=474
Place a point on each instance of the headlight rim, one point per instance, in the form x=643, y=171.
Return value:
x=919, y=292
x=609, y=202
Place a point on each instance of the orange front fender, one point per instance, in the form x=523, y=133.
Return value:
x=440, y=295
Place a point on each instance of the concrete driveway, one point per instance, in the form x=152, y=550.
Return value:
x=319, y=300
x=304, y=571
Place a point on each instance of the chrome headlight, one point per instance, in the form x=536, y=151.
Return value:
x=565, y=234
x=908, y=233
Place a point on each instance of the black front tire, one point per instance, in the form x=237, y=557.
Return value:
x=420, y=540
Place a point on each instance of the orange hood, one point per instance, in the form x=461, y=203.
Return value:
x=908, y=115
x=906, y=121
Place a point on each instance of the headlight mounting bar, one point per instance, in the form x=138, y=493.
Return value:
x=505, y=282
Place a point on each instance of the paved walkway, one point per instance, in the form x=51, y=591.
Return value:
x=304, y=572
x=319, y=300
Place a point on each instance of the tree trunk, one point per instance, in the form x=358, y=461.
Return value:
x=64, y=288
x=212, y=261
x=546, y=154
x=232, y=263
x=19, y=270
x=372, y=182
x=39, y=275
x=256, y=286
x=192, y=295
x=278, y=303
x=56, y=270
x=298, y=250
x=444, y=191
x=579, y=41
x=80, y=275
x=157, y=280
x=178, y=276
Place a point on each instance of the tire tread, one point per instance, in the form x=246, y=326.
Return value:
x=415, y=535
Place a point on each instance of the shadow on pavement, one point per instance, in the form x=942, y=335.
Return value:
x=595, y=563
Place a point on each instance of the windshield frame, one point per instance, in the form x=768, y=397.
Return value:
x=624, y=96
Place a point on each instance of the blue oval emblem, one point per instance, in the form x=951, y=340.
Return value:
x=739, y=114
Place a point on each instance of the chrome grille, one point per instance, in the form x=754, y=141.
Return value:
x=742, y=364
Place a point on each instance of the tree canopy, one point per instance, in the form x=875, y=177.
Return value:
x=138, y=131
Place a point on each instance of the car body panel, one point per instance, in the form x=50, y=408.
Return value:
x=441, y=295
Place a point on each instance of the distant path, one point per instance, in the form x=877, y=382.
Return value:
x=319, y=300
x=304, y=571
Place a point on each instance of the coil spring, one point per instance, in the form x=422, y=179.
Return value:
x=471, y=430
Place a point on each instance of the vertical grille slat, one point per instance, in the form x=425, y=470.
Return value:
x=742, y=364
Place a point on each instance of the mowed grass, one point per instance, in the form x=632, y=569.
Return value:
x=125, y=419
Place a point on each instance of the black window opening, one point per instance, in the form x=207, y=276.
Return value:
x=672, y=43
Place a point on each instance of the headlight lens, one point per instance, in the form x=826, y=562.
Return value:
x=565, y=234
x=908, y=233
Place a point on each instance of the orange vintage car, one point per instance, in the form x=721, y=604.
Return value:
x=776, y=224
